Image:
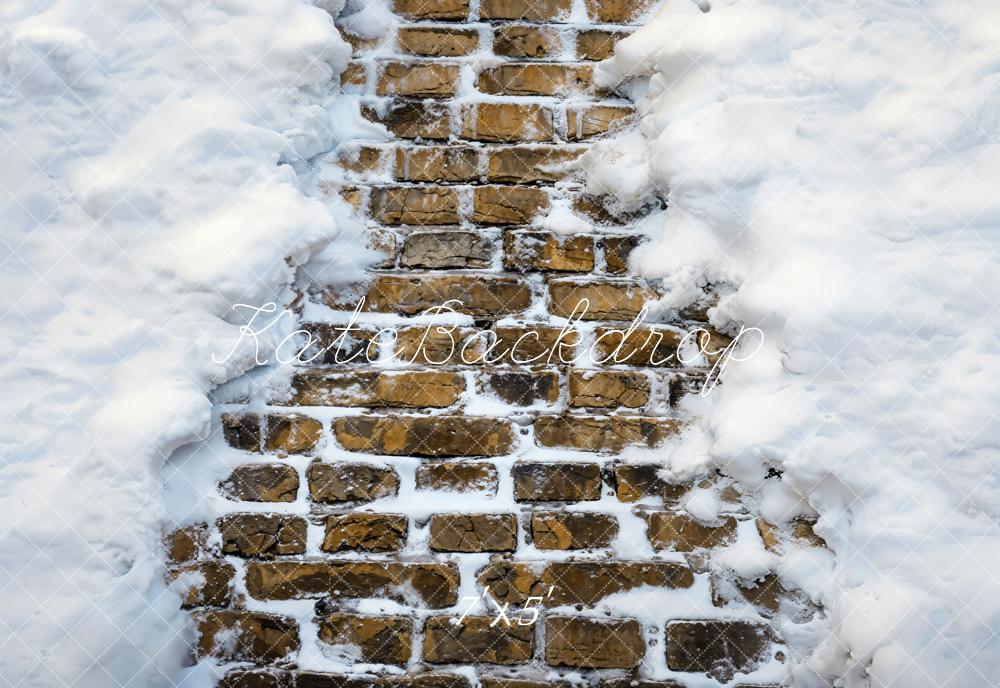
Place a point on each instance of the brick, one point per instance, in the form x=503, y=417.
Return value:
x=720, y=649
x=507, y=205
x=418, y=79
x=355, y=74
x=240, y=636
x=637, y=481
x=473, y=532
x=616, y=11
x=437, y=164
x=440, y=250
x=291, y=433
x=458, y=476
x=578, y=582
x=430, y=436
x=644, y=346
x=507, y=122
x=530, y=164
x=242, y=431
x=476, y=295
x=382, y=241
x=352, y=196
x=597, y=44
x=631, y=683
x=412, y=120
x=799, y=532
x=377, y=639
x=438, y=345
x=433, y=585
x=262, y=535
x=514, y=40
x=254, y=679
x=567, y=530
x=617, y=251
x=556, y=482
x=681, y=533
x=360, y=159
x=408, y=389
x=502, y=682
x=608, y=210
x=535, y=79
x=585, y=643
x=475, y=640
x=331, y=344
x=525, y=387
x=526, y=10
x=185, y=544
x=765, y=594
x=415, y=205
x=535, y=344
x=605, y=300
x=602, y=434
x=437, y=42
x=312, y=679
x=365, y=532
x=273, y=482
x=608, y=389
x=596, y=120
x=440, y=10
x=547, y=251
x=341, y=482
x=203, y=583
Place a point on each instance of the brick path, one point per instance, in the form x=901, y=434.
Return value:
x=506, y=480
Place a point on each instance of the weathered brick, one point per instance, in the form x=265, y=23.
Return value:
x=438, y=164
x=556, y=482
x=418, y=79
x=436, y=41
x=291, y=433
x=586, y=643
x=432, y=585
x=681, y=533
x=617, y=11
x=378, y=639
x=636, y=481
x=604, y=300
x=186, y=544
x=604, y=209
x=273, y=482
x=263, y=678
x=527, y=10
x=354, y=74
x=765, y=594
x=602, y=434
x=240, y=636
x=632, y=683
x=431, y=436
x=435, y=345
x=504, y=682
x=366, y=532
x=438, y=250
x=608, y=389
x=242, y=431
x=203, y=583
x=473, y=532
x=407, y=389
x=530, y=164
x=547, y=251
x=535, y=79
x=597, y=44
x=458, y=476
x=519, y=40
x=475, y=640
x=313, y=679
x=331, y=344
x=415, y=205
x=440, y=10
x=535, y=344
x=360, y=159
x=800, y=532
x=508, y=205
x=525, y=387
x=340, y=482
x=645, y=346
x=572, y=530
x=720, y=649
x=262, y=535
x=507, y=122
x=414, y=119
x=353, y=196
x=472, y=294
x=617, y=251
x=595, y=120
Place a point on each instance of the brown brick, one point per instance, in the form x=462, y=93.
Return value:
x=418, y=79
x=440, y=250
x=340, y=482
x=556, y=482
x=242, y=431
x=800, y=532
x=593, y=643
x=430, y=436
x=578, y=582
x=680, y=533
x=765, y=594
x=608, y=389
x=527, y=10
x=572, y=530
x=717, y=648
x=355, y=74
x=594, y=120
x=437, y=42
x=366, y=532
x=617, y=251
x=525, y=387
x=627, y=682
x=471, y=294
x=503, y=682
x=636, y=481
x=254, y=679
x=382, y=241
x=507, y=122
x=262, y=535
x=291, y=433
x=645, y=346
x=378, y=639
x=617, y=11
x=458, y=476
x=475, y=640
x=272, y=482
x=432, y=585
x=415, y=205
x=440, y=10
x=535, y=344
x=507, y=205
x=525, y=41
x=203, y=583
x=360, y=159
x=411, y=120
x=605, y=300
x=438, y=346
x=547, y=251
x=330, y=344
x=186, y=544
x=312, y=679
x=473, y=532
x=602, y=434
x=437, y=164
x=535, y=79
x=352, y=196
x=529, y=164
x=608, y=210
x=597, y=44
x=410, y=389
x=240, y=636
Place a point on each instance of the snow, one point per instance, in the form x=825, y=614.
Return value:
x=835, y=163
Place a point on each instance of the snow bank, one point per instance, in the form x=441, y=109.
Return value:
x=148, y=183
x=836, y=162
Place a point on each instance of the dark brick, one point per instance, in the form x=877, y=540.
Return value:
x=572, y=530
x=585, y=643
x=262, y=535
x=473, y=532
x=720, y=649
x=458, y=476
x=340, y=482
x=272, y=482
x=475, y=640
x=365, y=532
x=525, y=387
x=378, y=639
x=246, y=636
x=565, y=482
